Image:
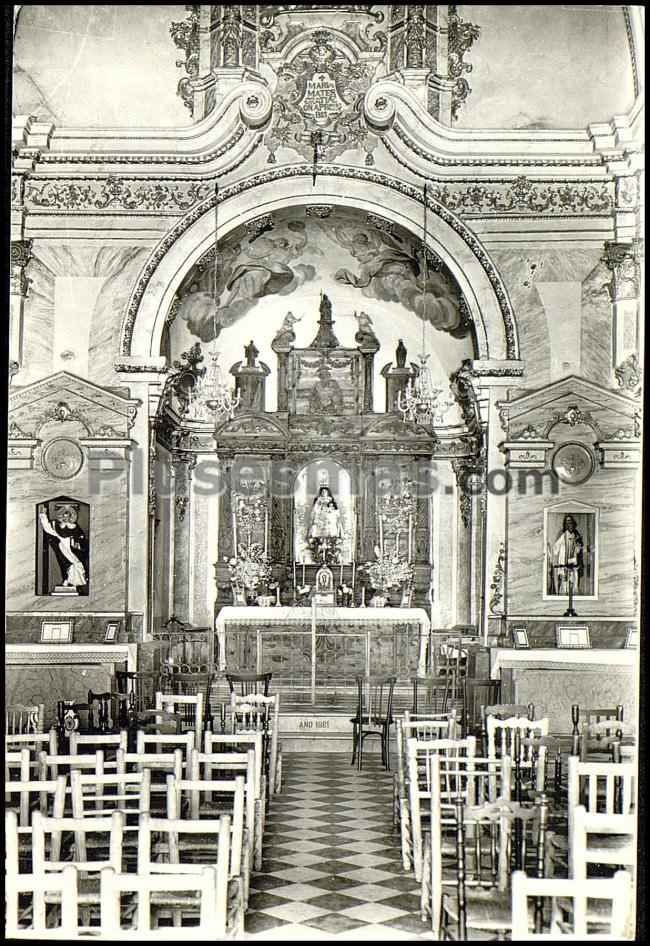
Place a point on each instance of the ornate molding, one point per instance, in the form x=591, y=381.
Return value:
x=461, y=38
x=498, y=581
x=21, y=254
x=345, y=173
x=181, y=503
x=622, y=261
x=115, y=194
x=185, y=34
x=441, y=161
x=628, y=375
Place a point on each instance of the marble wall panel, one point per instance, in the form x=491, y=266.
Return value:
x=38, y=323
x=43, y=684
x=607, y=634
x=108, y=536
x=182, y=519
x=521, y=268
x=613, y=493
x=87, y=628
x=597, y=322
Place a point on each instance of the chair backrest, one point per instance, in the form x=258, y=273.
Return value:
x=101, y=795
x=46, y=857
x=44, y=795
x=559, y=907
x=19, y=764
x=491, y=840
x=190, y=706
x=151, y=743
x=109, y=743
x=176, y=850
x=428, y=695
x=599, y=737
x=619, y=829
x=166, y=762
x=241, y=743
x=229, y=765
x=24, y=719
x=507, y=710
x=63, y=882
x=474, y=781
x=186, y=798
x=375, y=698
x=50, y=766
x=248, y=683
x=501, y=735
x=36, y=741
x=138, y=687
x=207, y=882
x=418, y=753
x=254, y=713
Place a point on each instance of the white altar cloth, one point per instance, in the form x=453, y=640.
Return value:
x=255, y=616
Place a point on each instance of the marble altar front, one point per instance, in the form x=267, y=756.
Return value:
x=313, y=646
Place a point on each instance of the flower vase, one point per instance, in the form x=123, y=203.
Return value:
x=379, y=599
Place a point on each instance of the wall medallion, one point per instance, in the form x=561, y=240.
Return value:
x=573, y=463
x=62, y=458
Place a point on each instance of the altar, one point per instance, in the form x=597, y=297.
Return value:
x=312, y=648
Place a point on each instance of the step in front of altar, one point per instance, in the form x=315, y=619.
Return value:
x=319, y=730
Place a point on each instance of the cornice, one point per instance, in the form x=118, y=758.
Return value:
x=408, y=130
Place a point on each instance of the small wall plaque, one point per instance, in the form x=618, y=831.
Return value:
x=56, y=632
x=632, y=638
x=573, y=636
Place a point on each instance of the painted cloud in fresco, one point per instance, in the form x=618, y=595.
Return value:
x=276, y=256
x=391, y=271
x=255, y=267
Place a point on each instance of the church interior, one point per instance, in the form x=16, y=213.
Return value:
x=324, y=423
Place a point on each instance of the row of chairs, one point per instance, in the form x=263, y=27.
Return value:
x=468, y=823
x=193, y=792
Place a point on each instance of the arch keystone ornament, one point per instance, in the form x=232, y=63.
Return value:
x=488, y=304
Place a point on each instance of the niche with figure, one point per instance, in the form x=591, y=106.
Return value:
x=62, y=547
x=323, y=512
x=571, y=543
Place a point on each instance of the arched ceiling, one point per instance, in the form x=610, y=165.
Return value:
x=533, y=66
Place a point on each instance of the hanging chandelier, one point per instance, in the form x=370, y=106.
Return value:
x=419, y=402
x=212, y=398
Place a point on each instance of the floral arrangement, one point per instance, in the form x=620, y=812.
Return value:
x=388, y=571
x=397, y=507
x=250, y=568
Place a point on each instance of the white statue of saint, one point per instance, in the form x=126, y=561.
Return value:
x=325, y=520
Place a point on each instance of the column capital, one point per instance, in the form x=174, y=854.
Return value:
x=622, y=259
x=21, y=254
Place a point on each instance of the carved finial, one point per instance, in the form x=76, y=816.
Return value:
x=325, y=337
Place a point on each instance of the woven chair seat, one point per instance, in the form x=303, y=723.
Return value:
x=487, y=910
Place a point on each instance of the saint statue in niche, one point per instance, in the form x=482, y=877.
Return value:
x=69, y=543
x=325, y=519
x=326, y=396
x=567, y=559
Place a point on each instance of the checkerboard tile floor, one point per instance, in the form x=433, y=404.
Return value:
x=332, y=865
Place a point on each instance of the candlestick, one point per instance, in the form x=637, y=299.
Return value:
x=303, y=574
x=363, y=596
x=266, y=532
x=294, y=576
x=341, y=575
x=381, y=534
x=234, y=531
x=354, y=572
x=409, y=554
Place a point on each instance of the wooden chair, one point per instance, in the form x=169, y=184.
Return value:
x=523, y=740
x=21, y=765
x=107, y=743
x=415, y=807
x=416, y=726
x=374, y=716
x=603, y=839
x=428, y=694
x=150, y=743
x=552, y=908
x=22, y=799
x=242, y=743
x=159, y=765
x=190, y=707
x=96, y=796
x=473, y=780
x=21, y=720
x=196, y=799
x=36, y=741
x=599, y=739
x=491, y=840
x=249, y=683
x=220, y=765
x=33, y=920
x=97, y=844
x=192, y=684
x=502, y=711
x=134, y=692
x=175, y=846
x=209, y=885
x=261, y=714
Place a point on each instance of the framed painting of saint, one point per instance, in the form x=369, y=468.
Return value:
x=571, y=551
